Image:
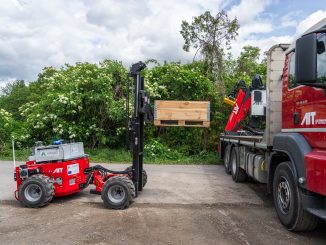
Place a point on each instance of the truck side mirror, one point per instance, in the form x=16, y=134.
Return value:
x=306, y=59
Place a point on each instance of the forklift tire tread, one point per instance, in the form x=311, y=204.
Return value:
x=144, y=175
x=43, y=184
x=128, y=188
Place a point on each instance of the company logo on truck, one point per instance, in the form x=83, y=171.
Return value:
x=236, y=109
x=309, y=118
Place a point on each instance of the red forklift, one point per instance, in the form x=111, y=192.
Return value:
x=64, y=169
x=276, y=134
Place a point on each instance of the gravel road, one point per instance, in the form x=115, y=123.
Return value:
x=180, y=205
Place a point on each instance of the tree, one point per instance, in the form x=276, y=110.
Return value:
x=174, y=81
x=84, y=102
x=14, y=95
x=6, y=127
x=210, y=35
x=245, y=66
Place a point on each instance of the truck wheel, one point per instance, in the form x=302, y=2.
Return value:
x=227, y=159
x=287, y=201
x=238, y=174
x=144, y=175
x=117, y=192
x=36, y=191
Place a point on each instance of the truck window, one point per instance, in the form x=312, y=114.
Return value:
x=292, y=82
x=321, y=59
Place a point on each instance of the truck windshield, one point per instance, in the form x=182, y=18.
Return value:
x=321, y=59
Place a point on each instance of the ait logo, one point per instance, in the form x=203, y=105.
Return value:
x=236, y=109
x=58, y=170
x=309, y=118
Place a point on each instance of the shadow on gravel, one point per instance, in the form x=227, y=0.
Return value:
x=260, y=190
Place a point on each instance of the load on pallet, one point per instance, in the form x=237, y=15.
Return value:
x=182, y=113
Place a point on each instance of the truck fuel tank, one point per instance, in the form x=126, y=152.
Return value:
x=255, y=167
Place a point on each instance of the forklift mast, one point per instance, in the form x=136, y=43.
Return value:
x=142, y=113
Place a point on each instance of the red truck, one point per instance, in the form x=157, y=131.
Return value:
x=276, y=133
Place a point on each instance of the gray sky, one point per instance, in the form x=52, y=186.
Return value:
x=39, y=33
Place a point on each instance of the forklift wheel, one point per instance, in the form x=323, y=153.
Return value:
x=144, y=175
x=117, y=192
x=36, y=191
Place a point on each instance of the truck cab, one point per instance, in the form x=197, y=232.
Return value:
x=289, y=153
x=303, y=135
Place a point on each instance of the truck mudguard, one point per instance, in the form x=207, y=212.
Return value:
x=296, y=147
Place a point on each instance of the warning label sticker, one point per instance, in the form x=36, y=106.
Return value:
x=73, y=169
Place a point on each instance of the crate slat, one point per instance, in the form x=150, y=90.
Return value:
x=181, y=123
x=181, y=104
x=182, y=113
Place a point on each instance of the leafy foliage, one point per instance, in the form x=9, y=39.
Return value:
x=174, y=81
x=86, y=102
x=209, y=35
x=14, y=95
x=83, y=102
x=6, y=122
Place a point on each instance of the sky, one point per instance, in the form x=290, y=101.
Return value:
x=38, y=33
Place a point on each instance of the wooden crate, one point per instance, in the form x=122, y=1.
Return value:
x=182, y=113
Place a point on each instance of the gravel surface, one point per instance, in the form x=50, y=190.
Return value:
x=179, y=205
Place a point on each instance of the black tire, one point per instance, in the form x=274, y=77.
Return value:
x=287, y=201
x=238, y=174
x=117, y=192
x=36, y=191
x=144, y=175
x=226, y=159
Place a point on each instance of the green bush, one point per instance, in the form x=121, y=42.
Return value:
x=86, y=102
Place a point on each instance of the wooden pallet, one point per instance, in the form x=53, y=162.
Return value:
x=181, y=123
x=182, y=113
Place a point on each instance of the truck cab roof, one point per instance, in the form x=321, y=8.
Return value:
x=319, y=25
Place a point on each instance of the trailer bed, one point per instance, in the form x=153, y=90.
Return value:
x=254, y=141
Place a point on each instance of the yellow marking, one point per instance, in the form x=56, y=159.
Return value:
x=228, y=101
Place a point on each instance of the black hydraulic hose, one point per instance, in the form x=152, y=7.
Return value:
x=254, y=131
x=101, y=168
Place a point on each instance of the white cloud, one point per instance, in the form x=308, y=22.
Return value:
x=310, y=21
x=248, y=10
x=290, y=19
x=248, y=13
x=252, y=24
x=38, y=33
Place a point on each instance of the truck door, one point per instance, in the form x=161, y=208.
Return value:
x=309, y=116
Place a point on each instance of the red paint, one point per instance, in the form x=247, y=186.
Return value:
x=304, y=100
x=48, y=169
x=316, y=171
x=55, y=170
x=239, y=112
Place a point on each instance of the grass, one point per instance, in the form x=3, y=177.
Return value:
x=124, y=156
